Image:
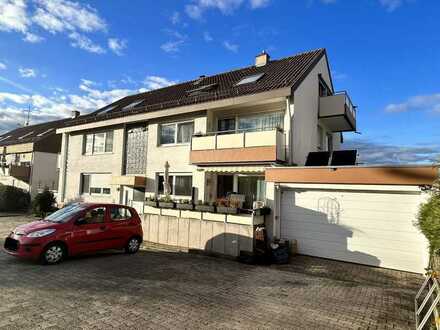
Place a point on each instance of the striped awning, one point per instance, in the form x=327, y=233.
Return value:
x=234, y=169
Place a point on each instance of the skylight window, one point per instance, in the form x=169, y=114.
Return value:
x=202, y=89
x=45, y=132
x=132, y=105
x=4, y=137
x=106, y=110
x=26, y=135
x=250, y=79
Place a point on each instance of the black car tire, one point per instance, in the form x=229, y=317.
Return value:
x=53, y=254
x=133, y=245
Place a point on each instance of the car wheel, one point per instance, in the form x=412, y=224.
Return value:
x=133, y=245
x=53, y=254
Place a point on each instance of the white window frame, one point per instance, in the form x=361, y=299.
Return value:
x=174, y=175
x=237, y=118
x=93, y=143
x=176, y=125
x=89, y=193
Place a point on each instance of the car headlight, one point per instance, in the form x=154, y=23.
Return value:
x=41, y=233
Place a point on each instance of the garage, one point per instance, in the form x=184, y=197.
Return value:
x=361, y=215
x=372, y=228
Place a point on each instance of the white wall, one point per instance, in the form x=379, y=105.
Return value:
x=78, y=163
x=44, y=171
x=305, y=105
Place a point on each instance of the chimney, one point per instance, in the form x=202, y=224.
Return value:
x=262, y=59
x=75, y=114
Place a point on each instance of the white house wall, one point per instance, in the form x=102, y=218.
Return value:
x=305, y=119
x=44, y=171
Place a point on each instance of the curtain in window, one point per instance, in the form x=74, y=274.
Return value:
x=109, y=141
x=99, y=144
x=184, y=132
x=88, y=146
x=167, y=133
x=183, y=185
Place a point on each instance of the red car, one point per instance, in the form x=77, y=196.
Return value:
x=76, y=229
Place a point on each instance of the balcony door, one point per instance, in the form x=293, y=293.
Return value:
x=253, y=188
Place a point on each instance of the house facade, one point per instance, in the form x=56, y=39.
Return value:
x=29, y=157
x=217, y=133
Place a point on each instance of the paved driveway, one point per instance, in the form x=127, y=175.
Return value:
x=159, y=289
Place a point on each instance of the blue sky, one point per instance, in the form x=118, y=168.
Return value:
x=58, y=55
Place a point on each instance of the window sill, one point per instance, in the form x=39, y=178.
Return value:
x=173, y=145
x=99, y=154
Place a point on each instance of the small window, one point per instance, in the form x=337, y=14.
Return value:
x=132, y=105
x=106, y=191
x=4, y=137
x=94, y=190
x=225, y=125
x=96, y=215
x=95, y=184
x=106, y=110
x=202, y=89
x=45, y=132
x=250, y=79
x=26, y=135
x=176, y=133
x=120, y=214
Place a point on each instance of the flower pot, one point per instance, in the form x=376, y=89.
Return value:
x=167, y=205
x=151, y=203
x=185, y=206
x=227, y=210
x=205, y=208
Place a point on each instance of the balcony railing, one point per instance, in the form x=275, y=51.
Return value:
x=20, y=172
x=263, y=145
x=337, y=112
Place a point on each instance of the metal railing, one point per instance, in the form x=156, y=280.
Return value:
x=348, y=103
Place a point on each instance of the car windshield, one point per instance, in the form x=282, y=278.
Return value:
x=66, y=213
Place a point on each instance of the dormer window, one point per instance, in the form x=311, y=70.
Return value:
x=106, y=110
x=250, y=79
x=4, y=138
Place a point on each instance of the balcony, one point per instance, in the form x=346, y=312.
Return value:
x=20, y=172
x=262, y=146
x=337, y=112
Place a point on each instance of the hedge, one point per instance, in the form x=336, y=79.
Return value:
x=13, y=199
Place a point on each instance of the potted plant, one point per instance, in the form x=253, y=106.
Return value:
x=166, y=203
x=205, y=206
x=185, y=204
x=151, y=201
x=226, y=206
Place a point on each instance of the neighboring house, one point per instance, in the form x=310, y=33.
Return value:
x=217, y=133
x=29, y=157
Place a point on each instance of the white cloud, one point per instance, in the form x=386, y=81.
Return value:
x=83, y=42
x=32, y=38
x=378, y=153
x=53, y=16
x=16, y=85
x=13, y=16
x=176, y=42
x=339, y=75
x=175, y=18
x=27, y=72
x=430, y=103
x=259, y=3
x=3, y=66
x=391, y=5
x=117, y=45
x=155, y=82
x=196, y=9
x=60, y=15
x=230, y=46
x=207, y=36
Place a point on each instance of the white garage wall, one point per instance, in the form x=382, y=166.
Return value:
x=356, y=224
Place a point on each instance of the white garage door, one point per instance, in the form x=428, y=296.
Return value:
x=363, y=227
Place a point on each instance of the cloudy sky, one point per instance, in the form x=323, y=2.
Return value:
x=60, y=55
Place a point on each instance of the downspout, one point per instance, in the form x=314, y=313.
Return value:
x=290, y=136
x=63, y=172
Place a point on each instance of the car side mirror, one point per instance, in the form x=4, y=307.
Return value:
x=80, y=221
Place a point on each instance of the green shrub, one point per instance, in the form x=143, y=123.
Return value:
x=429, y=221
x=13, y=199
x=43, y=203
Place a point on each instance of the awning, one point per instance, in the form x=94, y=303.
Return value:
x=233, y=169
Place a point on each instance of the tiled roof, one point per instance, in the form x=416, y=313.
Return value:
x=31, y=134
x=286, y=72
